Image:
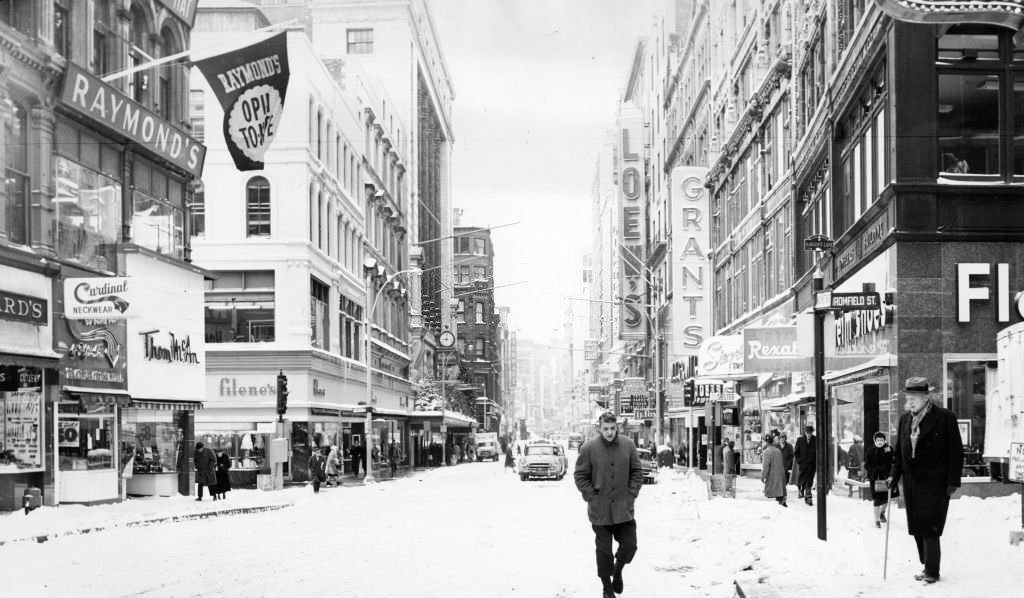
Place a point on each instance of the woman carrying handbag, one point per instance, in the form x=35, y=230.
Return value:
x=878, y=463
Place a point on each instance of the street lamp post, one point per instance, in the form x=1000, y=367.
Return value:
x=371, y=304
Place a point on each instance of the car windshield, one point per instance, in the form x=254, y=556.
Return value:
x=644, y=454
x=540, y=450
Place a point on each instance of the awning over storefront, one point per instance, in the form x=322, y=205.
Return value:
x=166, y=404
x=784, y=402
x=451, y=418
x=104, y=396
x=868, y=369
x=32, y=360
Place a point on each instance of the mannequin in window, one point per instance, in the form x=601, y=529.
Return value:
x=950, y=163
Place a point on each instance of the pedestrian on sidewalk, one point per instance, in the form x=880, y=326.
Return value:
x=805, y=455
x=333, y=467
x=223, y=479
x=206, y=470
x=878, y=466
x=728, y=457
x=393, y=457
x=317, y=474
x=787, y=455
x=609, y=476
x=358, y=455
x=510, y=462
x=773, y=470
x=928, y=457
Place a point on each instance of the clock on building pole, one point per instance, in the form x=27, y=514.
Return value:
x=446, y=339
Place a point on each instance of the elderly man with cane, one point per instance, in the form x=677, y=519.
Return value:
x=927, y=458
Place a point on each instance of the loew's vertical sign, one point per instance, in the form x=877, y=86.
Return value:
x=631, y=224
x=250, y=84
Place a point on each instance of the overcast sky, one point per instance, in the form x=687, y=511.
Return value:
x=536, y=84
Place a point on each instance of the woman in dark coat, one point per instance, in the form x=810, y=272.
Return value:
x=510, y=462
x=206, y=469
x=878, y=466
x=223, y=480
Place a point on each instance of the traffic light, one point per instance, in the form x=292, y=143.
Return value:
x=688, y=392
x=282, y=393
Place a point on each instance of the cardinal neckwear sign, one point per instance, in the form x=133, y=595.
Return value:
x=250, y=83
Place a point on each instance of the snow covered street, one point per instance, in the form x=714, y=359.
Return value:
x=475, y=530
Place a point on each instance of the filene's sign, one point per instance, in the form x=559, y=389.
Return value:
x=967, y=291
x=87, y=95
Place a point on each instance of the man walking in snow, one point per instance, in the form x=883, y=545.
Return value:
x=928, y=457
x=609, y=476
x=805, y=454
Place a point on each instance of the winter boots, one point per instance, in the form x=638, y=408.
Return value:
x=617, y=578
x=606, y=588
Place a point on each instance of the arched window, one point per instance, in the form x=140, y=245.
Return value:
x=257, y=207
x=169, y=78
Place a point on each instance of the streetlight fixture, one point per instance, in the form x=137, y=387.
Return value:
x=371, y=270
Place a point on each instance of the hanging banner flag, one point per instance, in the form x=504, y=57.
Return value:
x=250, y=84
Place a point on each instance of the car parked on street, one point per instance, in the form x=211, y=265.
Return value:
x=648, y=464
x=543, y=460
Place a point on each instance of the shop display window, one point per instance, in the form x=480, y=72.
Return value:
x=157, y=225
x=86, y=438
x=153, y=440
x=967, y=383
x=247, y=448
x=847, y=428
x=21, y=419
x=752, y=432
x=87, y=222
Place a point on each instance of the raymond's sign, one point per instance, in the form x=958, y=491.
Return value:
x=183, y=9
x=250, y=84
x=91, y=97
x=22, y=308
x=103, y=298
x=772, y=349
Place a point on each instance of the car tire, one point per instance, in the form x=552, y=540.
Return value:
x=523, y=477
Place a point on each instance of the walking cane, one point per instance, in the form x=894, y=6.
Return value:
x=885, y=559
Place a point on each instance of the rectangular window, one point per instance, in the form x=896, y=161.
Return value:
x=87, y=215
x=359, y=41
x=480, y=315
x=968, y=122
x=479, y=247
x=21, y=419
x=319, y=320
x=157, y=225
x=967, y=385
x=479, y=273
x=240, y=307
x=87, y=436
x=197, y=212
x=15, y=197
x=197, y=113
x=152, y=438
x=257, y=205
x=61, y=29
x=18, y=14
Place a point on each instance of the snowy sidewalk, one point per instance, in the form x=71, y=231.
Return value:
x=46, y=523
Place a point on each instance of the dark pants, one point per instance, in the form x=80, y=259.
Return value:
x=806, y=480
x=316, y=484
x=355, y=467
x=929, y=553
x=625, y=535
x=213, y=491
x=394, y=466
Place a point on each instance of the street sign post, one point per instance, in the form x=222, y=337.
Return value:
x=818, y=243
x=855, y=301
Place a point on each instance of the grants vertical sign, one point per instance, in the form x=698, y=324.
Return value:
x=691, y=267
x=632, y=200
x=250, y=84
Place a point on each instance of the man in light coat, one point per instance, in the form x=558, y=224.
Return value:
x=609, y=476
x=773, y=470
x=928, y=458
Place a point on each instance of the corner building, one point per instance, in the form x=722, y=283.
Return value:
x=95, y=193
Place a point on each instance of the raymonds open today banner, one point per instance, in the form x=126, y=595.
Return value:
x=250, y=84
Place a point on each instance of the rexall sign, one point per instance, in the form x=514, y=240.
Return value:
x=773, y=349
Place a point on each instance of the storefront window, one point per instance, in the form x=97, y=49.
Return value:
x=246, y=448
x=14, y=195
x=157, y=225
x=88, y=215
x=153, y=439
x=86, y=436
x=848, y=427
x=966, y=386
x=21, y=419
x=752, y=431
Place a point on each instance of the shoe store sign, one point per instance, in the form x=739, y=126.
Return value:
x=103, y=298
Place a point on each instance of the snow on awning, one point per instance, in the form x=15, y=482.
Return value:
x=863, y=370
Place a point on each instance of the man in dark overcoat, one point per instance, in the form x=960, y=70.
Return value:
x=805, y=455
x=206, y=469
x=609, y=476
x=928, y=457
